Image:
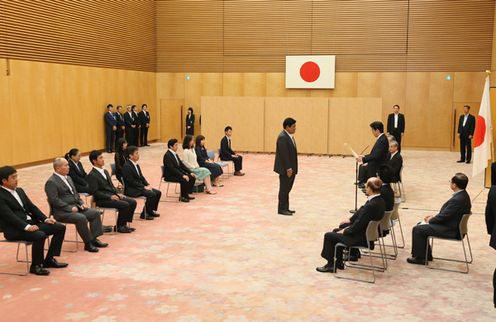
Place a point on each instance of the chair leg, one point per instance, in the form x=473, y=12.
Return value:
x=469, y=249
x=402, y=236
x=27, y=259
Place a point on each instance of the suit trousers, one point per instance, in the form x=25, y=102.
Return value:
x=110, y=134
x=330, y=241
x=152, y=199
x=238, y=162
x=285, y=186
x=125, y=207
x=419, y=238
x=465, y=148
x=397, y=135
x=38, y=239
x=81, y=219
x=144, y=135
x=129, y=135
x=494, y=287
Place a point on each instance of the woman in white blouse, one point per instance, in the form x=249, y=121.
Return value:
x=191, y=162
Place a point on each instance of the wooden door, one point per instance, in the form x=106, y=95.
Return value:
x=171, y=125
x=457, y=111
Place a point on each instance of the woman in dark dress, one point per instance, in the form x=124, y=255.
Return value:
x=76, y=171
x=206, y=162
x=190, y=122
x=120, y=157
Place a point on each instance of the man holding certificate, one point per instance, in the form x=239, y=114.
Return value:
x=380, y=151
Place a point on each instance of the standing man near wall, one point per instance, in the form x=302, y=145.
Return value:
x=396, y=124
x=130, y=125
x=110, y=128
x=144, y=118
x=286, y=164
x=466, y=128
x=121, y=125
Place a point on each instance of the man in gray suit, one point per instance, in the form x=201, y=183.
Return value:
x=67, y=207
x=286, y=164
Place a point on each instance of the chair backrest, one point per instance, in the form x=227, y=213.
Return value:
x=386, y=220
x=372, y=232
x=396, y=214
x=211, y=155
x=162, y=171
x=464, y=225
x=113, y=169
x=400, y=175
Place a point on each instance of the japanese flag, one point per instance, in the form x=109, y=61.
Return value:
x=483, y=133
x=310, y=71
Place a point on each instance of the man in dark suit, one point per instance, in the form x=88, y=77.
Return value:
x=466, y=128
x=135, y=185
x=144, y=118
x=105, y=194
x=491, y=227
x=121, y=125
x=396, y=125
x=355, y=228
x=395, y=161
x=20, y=219
x=176, y=171
x=137, y=126
x=110, y=128
x=445, y=223
x=67, y=207
x=227, y=154
x=130, y=125
x=286, y=164
x=379, y=154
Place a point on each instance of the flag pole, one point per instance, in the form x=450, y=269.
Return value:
x=488, y=73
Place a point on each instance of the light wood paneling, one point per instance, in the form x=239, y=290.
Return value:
x=232, y=84
x=468, y=86
x=311, y=115
x=170, y=85
x=171, y=122
x=353, y=130
x=244, y=114
x=254, y=84
x=6, y=129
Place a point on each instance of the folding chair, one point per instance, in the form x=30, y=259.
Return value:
x=169, y=197
x=26, y=260
x=229, y=165
x=395, y=218
x=136, y=198
x=463, y=227
x=398, y=186
x=76, y=241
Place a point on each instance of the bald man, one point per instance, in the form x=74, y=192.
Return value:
x=68, y=207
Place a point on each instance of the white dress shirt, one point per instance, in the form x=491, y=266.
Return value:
x=102, y=172
x=64, y=178
x=395, y=120
x=465, y=120
x=373, y=196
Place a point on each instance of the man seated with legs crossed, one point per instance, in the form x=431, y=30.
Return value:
x=20, y=219
x=176, y=171
x=445, y=224
x=135, y=185
x=356, y=226
x=105, y=194
x=69, y=208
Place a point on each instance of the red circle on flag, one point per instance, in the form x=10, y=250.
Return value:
x=480, y=131
x=309, y=71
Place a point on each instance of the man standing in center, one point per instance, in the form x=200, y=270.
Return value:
x=286, y=164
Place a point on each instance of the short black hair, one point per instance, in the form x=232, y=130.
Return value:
x=377, y=125
x=396, y=105
x=109, y=106
x=467, y=106
x=6, y=172
x=289, y=121
x=133, y=107
x=190, y=109
x=188, y=138
x=144, y=105
x=119, y=106
x=460, y=180
x=227, y=128
x=131, y=149
x=171, y=143
x=94, y=155
x=385, y=173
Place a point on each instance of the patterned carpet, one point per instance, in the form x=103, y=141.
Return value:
x=230, y=257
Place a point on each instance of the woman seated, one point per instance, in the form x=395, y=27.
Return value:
x=76, y=171
x=204, y=161
x=120, y=157
x=192, y=164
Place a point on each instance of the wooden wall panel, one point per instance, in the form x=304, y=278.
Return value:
x=468, y=86
x=353, y=130
x=311, y=115
x=7, y=126
x=112, y=34
x=244, y=114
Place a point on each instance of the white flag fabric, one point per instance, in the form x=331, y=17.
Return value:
x=483, y=133
x=310, y=71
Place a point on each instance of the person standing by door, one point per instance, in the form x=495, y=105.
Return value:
x=466, y=128
x=190, y=122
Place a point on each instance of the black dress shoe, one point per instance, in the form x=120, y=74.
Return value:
x=416, y=260
x=90, y=248
x=107, y=229
x=38, y=270
x=468, y=162
x=191, y=198
x=131, y=228
x=123, y=229
x=183, y=199
x=328, y=268
x=98, y=243
x=285, y=213
x=292, y=211
x=460, y=161
x=146, y=216
x=53, y=263
x=155, y=214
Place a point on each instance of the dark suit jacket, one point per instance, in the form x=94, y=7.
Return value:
x=78, y=175
x=129, y=119
x=387, y=195
x=491, y=216
x=134, y=182
x=136, y=119
x=396, y=162
x=144, y=119
x=110, y=120
x=225, y=149
x=401, y=123
x=102, y=189
x=119, y=120
x=469, y=127
x=451, y=213
x=13, y=216
x=120, y=160
x=378, y=156
x=201, y=155
x=173, y=171
x=372, y=210
x=190, y=121
x=286, y=155
x=59, y=195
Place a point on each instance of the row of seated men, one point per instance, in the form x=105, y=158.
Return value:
x=380, y=198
